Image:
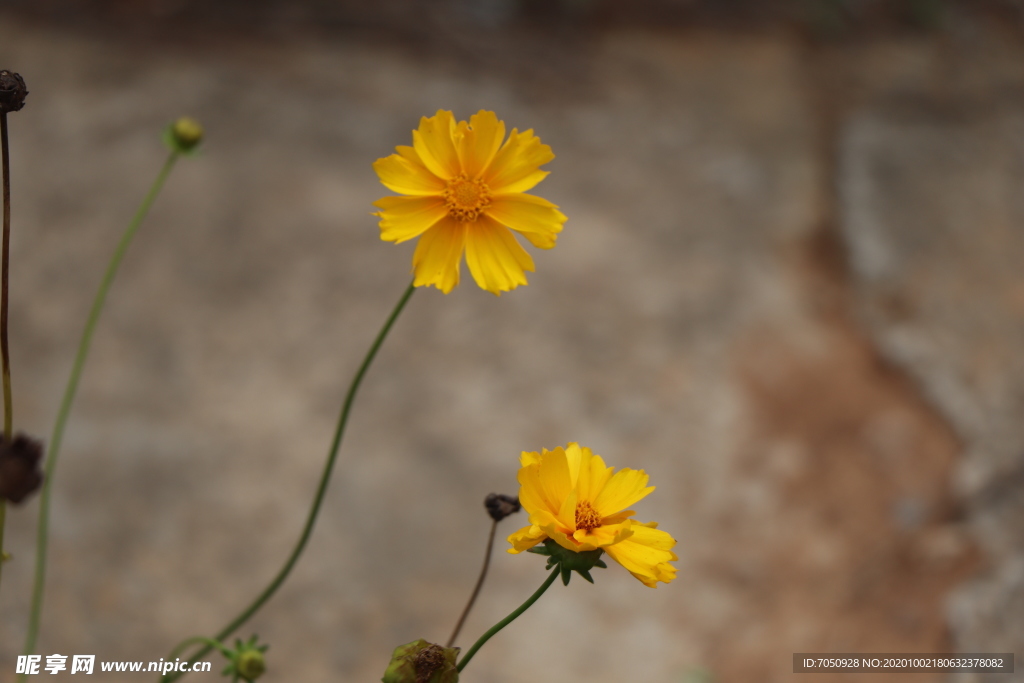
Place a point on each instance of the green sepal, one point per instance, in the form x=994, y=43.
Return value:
x=569, y=561
x=422, y=662
x=246, y=661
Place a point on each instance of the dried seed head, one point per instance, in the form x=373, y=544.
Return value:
x=20, y=473
x=499, y=506
x=422, y=662
x=12, y=91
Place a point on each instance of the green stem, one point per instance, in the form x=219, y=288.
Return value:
x=69, y=397
x=507, y=620
x=332, y=456
x=209, y=642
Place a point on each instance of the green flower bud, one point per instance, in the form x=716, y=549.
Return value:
x=246, y=661
x=184, y=135
x=251, y=664
x=569, y=561
x=422, y=662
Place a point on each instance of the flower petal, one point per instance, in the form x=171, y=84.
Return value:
x=479, y=142
x=537, y=219
x=554, y=479
x=529, y=458
x=646, y=554
x=602, y=536
x=401, y=174
x=520, y=156
x=496, y=260
x=438, y=253
x=435, y=145
x=404, y=218
x=592, y=475
x=526, y=538
x=624, y=488
x=532, y=495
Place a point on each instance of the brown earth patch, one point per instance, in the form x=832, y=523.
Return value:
x=869, y=540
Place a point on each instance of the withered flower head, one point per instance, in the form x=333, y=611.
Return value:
x=12, y=91
x=20, y=473
x=422, y=662
x=499, y=506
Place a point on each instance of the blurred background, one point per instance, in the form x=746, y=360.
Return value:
x=790, y=288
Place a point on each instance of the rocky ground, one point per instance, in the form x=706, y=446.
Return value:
x=789, y=289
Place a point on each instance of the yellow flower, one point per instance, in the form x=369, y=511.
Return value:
x=465, y=189
x=576, y=501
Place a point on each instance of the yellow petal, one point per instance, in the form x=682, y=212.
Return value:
x=554, y=477
x=561, y=536
x=537, y=219
x=567, y=513
x=592, y=474
x=646, y=554
x=479, y=142
x=404, y=218
x=529, y=458
x=495, y=259
x=602, y=536
x=400, y=174
x=573, y=458
x=526, y=538
x=526, y=184
x=438, y=253
x=434, y=144
x=520, y=156
x=532, y=495
x=624, y=488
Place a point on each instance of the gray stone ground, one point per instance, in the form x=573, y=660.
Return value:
x=835, y=448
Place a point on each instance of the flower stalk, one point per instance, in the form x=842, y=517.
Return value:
x=70, y=390
x=509, y=619
x=498, y=508
x=325, y=477
x=5, y=355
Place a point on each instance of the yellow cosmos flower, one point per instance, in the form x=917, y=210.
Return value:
x=464, y=190
x=576, y=501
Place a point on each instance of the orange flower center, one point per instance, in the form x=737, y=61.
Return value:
x=465, y=199
x=586, y=516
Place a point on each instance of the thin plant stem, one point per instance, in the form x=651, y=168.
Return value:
x=507, y=620
x=325, y=477
x=479, y=585
x=69, y=397
x=4, y=349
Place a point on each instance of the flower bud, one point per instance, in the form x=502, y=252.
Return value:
x=183, y=135
x=422, y=662
x=250, y=665
x=12, y=91
x=499, y=506
x=246, y=660
x=20, y=473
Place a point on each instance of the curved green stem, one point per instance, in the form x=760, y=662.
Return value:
x=209, y=642
x=69, y=397
x=507, y=620
x=314, y=510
